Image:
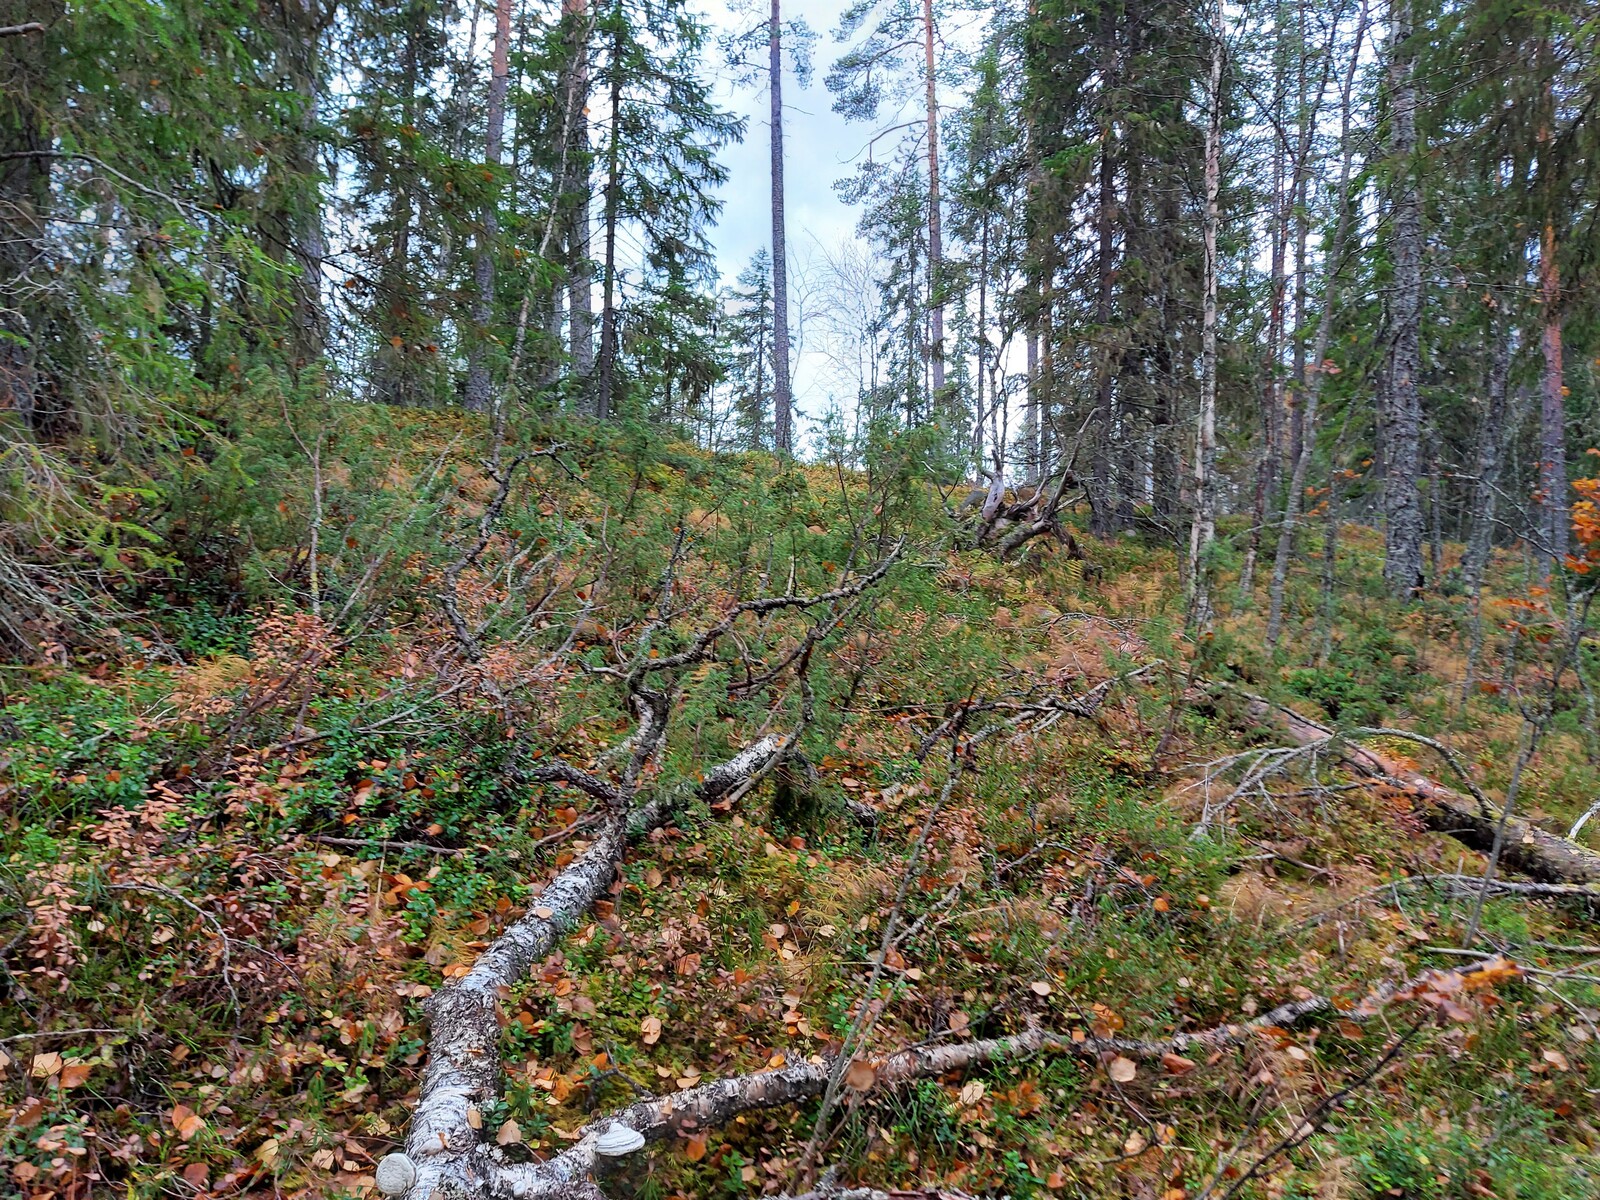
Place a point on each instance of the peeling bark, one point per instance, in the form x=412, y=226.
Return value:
x=463, y=1073
x=712, y=1105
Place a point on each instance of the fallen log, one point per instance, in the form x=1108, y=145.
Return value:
x=713, y=1105
x=1528, y=849
x=443, y=1153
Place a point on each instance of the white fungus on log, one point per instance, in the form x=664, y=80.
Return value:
x=395, y=1175
x=618, y=1140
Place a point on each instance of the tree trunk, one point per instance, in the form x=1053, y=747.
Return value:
x=782, y=405
x=478, y=389
x=1552, y=409
x=1035, y=447
x=1203, y=530
x=935, y=219
x=1401, y=416
x=1313, y=391
x=1271, y=390
x=580, y=279
x=1105, y=508
x=290, y=226
x=605, y=392
x=1527, y=848
x=24, y=204
x=1491, y=454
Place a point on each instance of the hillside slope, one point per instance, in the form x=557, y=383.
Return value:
x=385, y=701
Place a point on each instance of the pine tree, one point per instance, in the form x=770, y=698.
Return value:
x=894, y=59
x=757, y=50
x=661, y=140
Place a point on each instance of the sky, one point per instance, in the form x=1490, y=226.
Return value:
x=817, y=143
x=819, y=148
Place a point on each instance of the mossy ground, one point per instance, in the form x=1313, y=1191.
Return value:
x=249, y=996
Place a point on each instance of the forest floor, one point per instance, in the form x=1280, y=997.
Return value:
x=251, y=828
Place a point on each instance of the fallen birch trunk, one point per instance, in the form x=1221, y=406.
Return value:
x=1528, y=848
x=444, y=1155
x=712, y=1105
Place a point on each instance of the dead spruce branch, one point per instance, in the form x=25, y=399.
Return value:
x=1470, y=818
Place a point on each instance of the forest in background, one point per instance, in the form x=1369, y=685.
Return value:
x=465, y=730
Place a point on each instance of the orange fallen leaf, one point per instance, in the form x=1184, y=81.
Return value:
x=861, y=1075
x=1177, y=1064
x=186, y=1121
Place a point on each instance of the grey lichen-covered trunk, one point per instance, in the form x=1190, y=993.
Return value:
x=1400, y=414
x=580, y=278
x=1552, y=409
x=1491, y=456
x=1313, y=388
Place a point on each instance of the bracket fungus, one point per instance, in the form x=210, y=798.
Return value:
x=395, y=1175
x=617, y=1140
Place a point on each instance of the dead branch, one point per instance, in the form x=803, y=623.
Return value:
x=1471, y=819
x=20, y=30
x=1460, y=886
x=452, y=573
x=700, y=649
x=712, y=1105
x=463, y=1073
x=223, y=940
x=386, y=844
x=55, y=1033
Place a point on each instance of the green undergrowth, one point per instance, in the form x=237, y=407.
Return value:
x=249, y=832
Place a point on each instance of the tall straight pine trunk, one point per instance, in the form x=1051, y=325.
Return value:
x=782, y=404
x=1400, y=416
x=935, y=216
x=478, y=389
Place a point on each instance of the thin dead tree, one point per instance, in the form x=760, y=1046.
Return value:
x=1319, y=367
